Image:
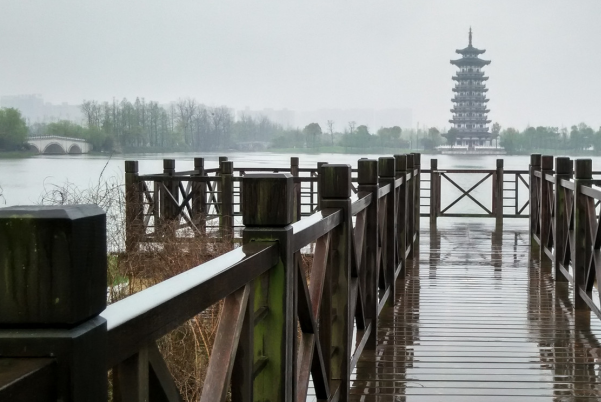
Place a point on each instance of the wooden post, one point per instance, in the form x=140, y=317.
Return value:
x=563, y=171
x=199, y=198
x=387, y=170
x=294, y=171
x=217, y=189
x=535, y=161
x=410, y=219
x=545, y=189
x=169, y=193
x=434, y=196
x=56, y=258
x=402, y=203
x=319, y=185
x=583, y=169
x=134, y=210
x=336, y=193
x=417, y=157
x=498, y=194
x=226, y=221
x=368, y=184
x=267, y=212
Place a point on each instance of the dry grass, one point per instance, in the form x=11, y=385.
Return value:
x=187, y=349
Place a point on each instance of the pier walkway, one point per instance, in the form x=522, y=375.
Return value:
x=343, y=284
x=477, y=320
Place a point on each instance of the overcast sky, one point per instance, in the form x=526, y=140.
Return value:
x=304, y=55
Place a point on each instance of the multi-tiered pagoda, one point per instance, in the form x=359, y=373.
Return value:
x=470, y=122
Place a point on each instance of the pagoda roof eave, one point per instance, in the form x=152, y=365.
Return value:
x=470, y=50
x=468, y=61
x=456, y=78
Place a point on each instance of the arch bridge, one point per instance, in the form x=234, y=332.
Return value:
x=54, y=144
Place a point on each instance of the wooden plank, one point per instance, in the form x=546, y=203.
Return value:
x=223, y=355
x=28, y=380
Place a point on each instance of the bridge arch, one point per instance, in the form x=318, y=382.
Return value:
x=35, y=148
x=75, y=149
x=54, y=148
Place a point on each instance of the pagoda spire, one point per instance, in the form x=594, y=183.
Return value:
x=470, y=36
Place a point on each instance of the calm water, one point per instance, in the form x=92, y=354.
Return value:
x=24, y=180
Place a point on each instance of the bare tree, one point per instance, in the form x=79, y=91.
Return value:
x=186, y=109
x=331, y=130
x=351, y=126
x=222, y=122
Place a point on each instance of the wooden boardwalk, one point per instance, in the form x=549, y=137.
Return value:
x=477, y=321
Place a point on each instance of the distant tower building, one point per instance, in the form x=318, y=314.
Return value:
x=470, y=124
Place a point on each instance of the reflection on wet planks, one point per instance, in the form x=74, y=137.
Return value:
x=477, y=321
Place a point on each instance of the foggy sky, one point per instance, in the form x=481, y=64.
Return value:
x=304, y=55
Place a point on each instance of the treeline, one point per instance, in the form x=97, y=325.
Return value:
x=13, y=130
x=350, y=137
x=577, y=139
x=187, y=125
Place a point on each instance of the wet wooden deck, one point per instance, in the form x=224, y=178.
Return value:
x=477, y=321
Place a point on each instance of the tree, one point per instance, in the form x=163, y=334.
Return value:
x=389, y=136
x=432, y=139
x=496, y=130
x=511, y=140
x=331, y=130
x=452, y=135
x=312, y=131
x=13, y=129
x=351, y=126
x=363, y=131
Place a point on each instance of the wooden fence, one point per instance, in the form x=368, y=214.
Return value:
x=58, y=338
x=564, y=224
x=207, y=201
x=508, y=189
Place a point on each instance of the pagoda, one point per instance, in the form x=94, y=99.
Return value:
x=470, y=121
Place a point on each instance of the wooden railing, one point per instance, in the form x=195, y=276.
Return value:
x=58, y=338
x=564, y=223
x=207, y=201
x=508, y=190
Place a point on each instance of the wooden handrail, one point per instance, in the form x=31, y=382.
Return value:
x=564, y=223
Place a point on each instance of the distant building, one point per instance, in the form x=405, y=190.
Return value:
x=35, y=110
x=470, y=119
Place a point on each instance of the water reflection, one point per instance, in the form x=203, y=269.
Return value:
x=477, y=320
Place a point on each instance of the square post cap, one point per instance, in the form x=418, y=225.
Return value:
x=401, y=162
x=227, y=167
x=583, y=169
x=368, y=171
x=53, y=264
x=131, y=166
x=336, y=182
x=535, y=160
x=268, y=199
x=387, y=166
x=168, y=164
x=547, y=162
x=563, y=165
